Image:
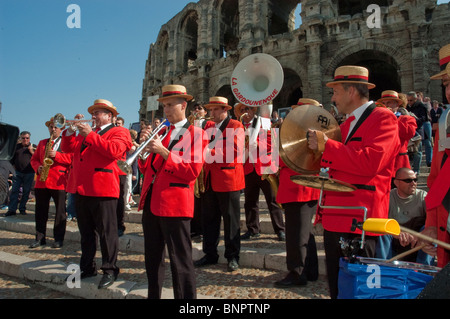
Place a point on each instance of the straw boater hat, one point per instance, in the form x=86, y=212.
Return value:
x=49, y=122
x=304, y=101
x=351, y=74
x=390, y=96
x=237, y=109
x=103, y=104
x=444, y=61
x=218, y=101
x=169, y=91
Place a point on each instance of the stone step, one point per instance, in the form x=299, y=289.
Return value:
x=265, y=252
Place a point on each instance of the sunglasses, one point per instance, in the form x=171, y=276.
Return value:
x=408, y=180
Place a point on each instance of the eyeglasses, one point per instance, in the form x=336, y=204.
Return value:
x=408, y=180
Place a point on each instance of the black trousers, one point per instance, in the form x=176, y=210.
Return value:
x=97, y=219
x=334, y=253
x=253, y=185
x=175, y=233
x=43, y=196
x=298, y=232
x=121, y=203
x=216, y=205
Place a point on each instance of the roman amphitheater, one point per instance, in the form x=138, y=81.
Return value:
x=200, y=47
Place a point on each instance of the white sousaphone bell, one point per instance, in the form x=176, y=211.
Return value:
x=257, y=80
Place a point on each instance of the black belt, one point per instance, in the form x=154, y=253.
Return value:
x=366, y=187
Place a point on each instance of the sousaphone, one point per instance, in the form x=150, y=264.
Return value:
x=257, y=80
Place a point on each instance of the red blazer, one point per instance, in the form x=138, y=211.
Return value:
x=407, y=126
x=437, y=217
x=95, y=171
x=57, y=175
x=367, y=161
x=223, y=176
x=172, y=194
x=289, y=192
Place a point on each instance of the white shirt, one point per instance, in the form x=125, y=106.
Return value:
x=177, y=128
x=357, y=114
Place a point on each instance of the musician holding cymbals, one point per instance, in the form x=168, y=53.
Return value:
x=167, y=197
x=364, y=158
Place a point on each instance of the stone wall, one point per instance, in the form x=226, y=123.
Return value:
x=201, y=46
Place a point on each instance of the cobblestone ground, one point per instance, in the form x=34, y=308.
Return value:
x=213, y=281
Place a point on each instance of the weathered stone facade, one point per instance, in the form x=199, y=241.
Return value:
x=201, y=46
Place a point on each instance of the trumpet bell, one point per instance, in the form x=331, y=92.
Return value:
x=59, y=120
x=257, y=80
x=294, y=150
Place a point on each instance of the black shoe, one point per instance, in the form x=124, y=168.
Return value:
x=292, y=280
x=281, y=236
x=232, y=265
x=87, y=274
x=57, y=244
x=249, y=235
x=22, y=212
x=204, y=261
x=36, y=244
x=10, y=213
x=106, y=281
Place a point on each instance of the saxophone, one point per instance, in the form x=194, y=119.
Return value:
x=47, y=161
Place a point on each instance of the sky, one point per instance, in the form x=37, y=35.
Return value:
x=48, y=68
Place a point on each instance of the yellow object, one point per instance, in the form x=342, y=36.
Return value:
x=382, y=226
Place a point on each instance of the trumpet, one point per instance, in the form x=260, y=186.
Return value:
x=125, y=166
x=60, y=121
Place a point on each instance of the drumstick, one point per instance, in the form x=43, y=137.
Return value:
x=427, y=238
x=406, y=253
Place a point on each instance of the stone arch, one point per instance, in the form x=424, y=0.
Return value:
x=162, y=58
x=291, y=90
x=188, y=29
x=377, y=57
x=228, y=26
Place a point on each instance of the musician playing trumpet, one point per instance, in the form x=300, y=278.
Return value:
x=167, y=197
x=365, y=158
x=96, y=184
x=259, y=150
x=51, y=166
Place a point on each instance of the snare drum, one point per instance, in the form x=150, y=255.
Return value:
x=372, y=278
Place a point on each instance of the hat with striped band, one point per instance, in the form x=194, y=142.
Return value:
x=351, y=74
x=305, y=101
x=444, y=61
x=218, y=101
x=390, y=96
x=171, y=91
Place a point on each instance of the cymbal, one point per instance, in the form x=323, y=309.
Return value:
x=294, y=150
x=328, y=184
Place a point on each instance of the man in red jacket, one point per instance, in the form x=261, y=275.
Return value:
x=437, y=224
x=364, y=158
x=167, y=197
x=300, y=205
x=223, y=180
x=257, y=161
x=96, y=183
x=53, y=186
x=407, y=126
